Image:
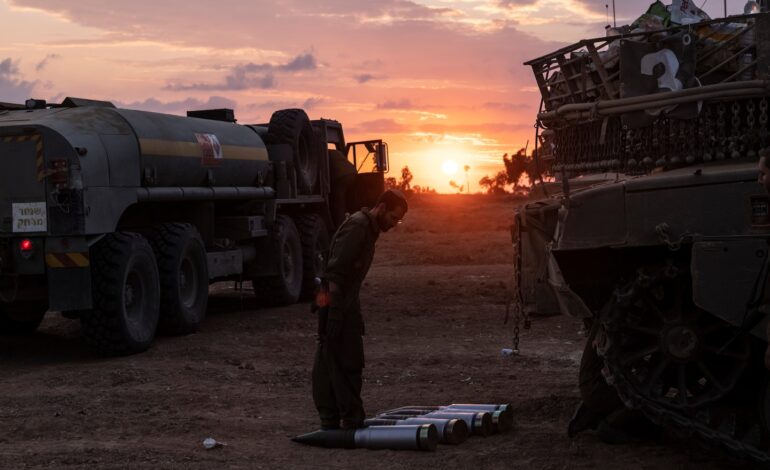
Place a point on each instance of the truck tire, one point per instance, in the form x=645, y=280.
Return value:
x=315, y=248
x=126, y=296
x=184, y=277
x=292, y=127
x=21, y=318
x=283, y=288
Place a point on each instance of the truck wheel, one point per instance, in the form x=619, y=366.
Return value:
x=284, y=287
x=315, y=249
x=184, y=278
x=292, y=127
x=21, y=318
x=126, y=296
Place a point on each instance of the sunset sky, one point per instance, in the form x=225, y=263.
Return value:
x=438, y=79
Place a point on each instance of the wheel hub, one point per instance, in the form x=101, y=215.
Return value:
x=129, y=295
x=188, y=283
x=681, y=342
x=288, y=262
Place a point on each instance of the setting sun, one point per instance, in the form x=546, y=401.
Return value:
x=449, y=167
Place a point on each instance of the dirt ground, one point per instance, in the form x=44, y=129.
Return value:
x=434, y=305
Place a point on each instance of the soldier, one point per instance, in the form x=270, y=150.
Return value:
x=339, y=359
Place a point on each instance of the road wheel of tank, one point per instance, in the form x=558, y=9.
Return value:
x=184, y=278
x=314, y=235
x=21, y=318
x=284, y=287
x=292, y=127
x=126, y=295
x=601, y=398
x=666, y=349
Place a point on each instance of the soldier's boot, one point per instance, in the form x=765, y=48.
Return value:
x=352, y=424
x=329, y=420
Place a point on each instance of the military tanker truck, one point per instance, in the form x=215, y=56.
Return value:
x=122, y=218
x=658, y=235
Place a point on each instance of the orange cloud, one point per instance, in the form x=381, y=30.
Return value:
x=431, y=76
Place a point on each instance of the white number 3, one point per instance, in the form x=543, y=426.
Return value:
x=668, y=60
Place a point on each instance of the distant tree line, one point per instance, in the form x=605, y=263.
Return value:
x=514, y=167
x=404, y=184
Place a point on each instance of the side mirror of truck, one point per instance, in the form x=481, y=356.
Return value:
x=382, y=157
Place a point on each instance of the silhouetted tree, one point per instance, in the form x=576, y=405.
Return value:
x=456, y=186
x=496, y=184
x=406, y=179
x=532, y=170
x=515, y=166
x=404, y=184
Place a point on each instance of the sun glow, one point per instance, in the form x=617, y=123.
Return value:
x=449, y=167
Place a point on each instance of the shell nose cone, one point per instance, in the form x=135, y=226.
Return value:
x=334, y=438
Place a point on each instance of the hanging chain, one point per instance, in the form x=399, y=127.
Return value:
x=750, y=142
x=763, y=122
x=735, y=131
x=708, y=140
x=517, y=308
x=527, y=321
x=721, y=137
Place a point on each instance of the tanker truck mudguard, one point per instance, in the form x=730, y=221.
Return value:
x=655, y=232
x=122, y=218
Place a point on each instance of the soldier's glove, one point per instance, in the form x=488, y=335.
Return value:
x=333, y=330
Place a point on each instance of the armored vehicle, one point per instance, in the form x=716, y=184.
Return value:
x=122, y=218
x=658, y=237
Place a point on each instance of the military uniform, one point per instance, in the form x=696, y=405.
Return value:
x=339, y=363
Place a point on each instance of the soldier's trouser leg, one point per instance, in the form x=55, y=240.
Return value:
x=323, y=392
x=345, y=363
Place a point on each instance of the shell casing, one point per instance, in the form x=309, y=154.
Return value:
x=450, y=431
x=381, y=422
x=479, y=424
x=502, y=417
x=398, y=437
x=478, y=406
